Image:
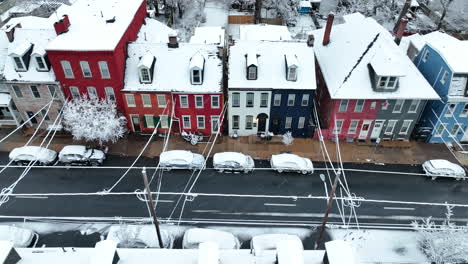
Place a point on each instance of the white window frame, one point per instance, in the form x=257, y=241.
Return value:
x=337, y=126
x=288, y=122
x=352, y=130
x=291, y=98
x=464, y=112
x=457, y=125
x=247, y=119
x=264, y=99
x=395, y=110
x=85, y=69
x=199, y=117
x=277, y=100
x=437, y=133
x=149, y=117
x=449, y=112
x=104, y=70
x=414, y=104
x=425, y=55
x=67, y=69
x=53, y=94
x=387, y=80
x=148, y=72
x=18, y=92
x=341, y=104
x=238, y=101
x=394, y=122
x=199, y=97
x=186, y=105
x=146, y=97
x=164, y=121
x=75, y=95
x=199, y=76
x=161, y=98
x=305, y=100
x=359, y=108
x=218, y=104
x=234, y=121
x=301, y=122
x=32, y=91
x=23, y=66
x=92, y=92
x=252, y=73
x=189, y=122
x=129, y=98
x=41, y=59
x=444, y=77
x=292, y=73
x=110, y=94
x=409, y=122
x=373, y=105
x=213, y=119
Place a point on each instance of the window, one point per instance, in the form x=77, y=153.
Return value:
x=53, y=91
x=391, y=82
x=353, y=127
x=130, y=100
x=104, y=69
x=215, y=101
x=305, y=100
x=19, y=64
x=382, y=82
x=110, y=95
x=455, y=129
x=201, y=122
x=248, y=122
x=291, y=99
x=444, y=77
x=288, y=122
x=186, y=122
x=235, y=99
x=440, y=130
x=41, y=66
x=250, y=99
x=464, y=112
x=425, y=56
x=338, y=125
x=264, y=100
x=149, y=121
x=359, y=106
x=164, y=121
x=301, y=122
x=386, y=82
x=199, y=101
x=183, y=101
x=398, y=106
x=146, y=99
x=390, y=127
x=161, y=100
x=292, y=74
x=75, y=92
x=17, y=91
x=252, y=73
x=145, y=75
x=85, y=69
x=450, y=110
x=405, y=127
x=67, y=69
x=196, y=77
x=214, y=124
x=277, y=100
x=45, y=115
x=30, y=115
x=343, y=106
x=414, y=106
x=235, y=122
x=373, y=105
x=35, y=91
x=92, y=93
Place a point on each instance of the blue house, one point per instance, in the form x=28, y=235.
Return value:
x=443, y=61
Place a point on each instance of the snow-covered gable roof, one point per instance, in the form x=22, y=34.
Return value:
x=353, y=45
x=291, y=59
x=172, y=68
x=21, y=48
x=29, y=22
x=252, y=58
x=208, y=35
x=146, y=60
x=340, y=251
x=264, y=32
x=105, y=251
x=387, y=63
x=154, y=31
x=38, y=37
x=197, y=61
x=89, y=30
x=305, y=4
x=417, y=40
x=271, y=65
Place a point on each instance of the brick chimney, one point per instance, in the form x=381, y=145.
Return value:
x=10, y=32
x=62, y=25
x=173, y=42
x=328, y=28
x=401, y=30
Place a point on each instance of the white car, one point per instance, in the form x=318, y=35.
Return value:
x=80, y=155
x=270, y=241
x=21, y=237
x=193, y=237
x=291, y=162
x=24, y=155
x=180, y=159
x=138, y=236
x=233, y=161
x=439, y=167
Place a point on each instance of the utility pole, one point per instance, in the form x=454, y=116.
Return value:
x=403, y=13
x=149, y=198
x=329, y=207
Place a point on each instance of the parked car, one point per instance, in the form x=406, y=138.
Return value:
x=291, y=162
x=195, y=236
x=439, y=167
x=180, y=159
x=270, y=241
x=24, y=155
x=81, y=155
x=21, y=237
x=138, y=236
x=233, y=161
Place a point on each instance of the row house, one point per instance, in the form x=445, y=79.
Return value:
x=88, y=55
x=442, y=59
x=177, y=86
x=368, y=89
x=271, y=88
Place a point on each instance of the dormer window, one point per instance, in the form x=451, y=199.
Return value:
x=385, y=72
x=291, y=67
x=145, y=76
x=146, y=68
x=197, y=65
x=21, y=56
x=387, y=82
x=19, y=64
x=196, y=77
x=252, y=66
x=41, y=64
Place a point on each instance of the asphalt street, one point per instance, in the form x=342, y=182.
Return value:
x=262, y=197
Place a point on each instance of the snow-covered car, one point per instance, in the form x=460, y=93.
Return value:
x=21, y=237
x=440, y=167
x=270, y=241
x=24, y=155
x=81, y=155
x=138, y=236
x=291, y=162
x=233, y=161
x=180, y=159
x=194, y=236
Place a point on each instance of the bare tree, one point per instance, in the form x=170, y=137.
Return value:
x=445, y=4
x=258, y=11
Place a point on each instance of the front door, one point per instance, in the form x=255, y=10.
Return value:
x=365, y=129
x=136, y=123
x=261, y=118
x=275, y=125
x=378, y=125
x=465, y=136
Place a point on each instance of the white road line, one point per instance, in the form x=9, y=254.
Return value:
x=165, y=201
x=31, y=197
x=400, y=208
x=277, y=204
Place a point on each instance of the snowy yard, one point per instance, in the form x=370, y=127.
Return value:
x=303, y=25
x=216, y=13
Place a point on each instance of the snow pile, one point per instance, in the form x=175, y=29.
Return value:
x=194, y=236
x=264, y=32
x=208, y=35
x=131, y=236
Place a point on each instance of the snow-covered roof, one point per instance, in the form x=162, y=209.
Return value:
x=197, y=61
x=21, y=48
x=271, y=65
x=3, y=51
x=339, y=251
x=5, y=99
x=252, y=58
x=264, y=32
x=5, y=249
x=39, y=153
x=414, y=3
x=222, y=157
x=353, y=45
x=154, y=31
x=208, y=35
x=146, y=60
x=285, y=158
x=195, y=236
x=172, y=155
x=39, y=38
x=270, y=241
x=89, y=29
x=172, y=68
x=29, y=22
x=291, y=251
x=305, y=4
x=21, y=237
x=416, y=40
x=104, y=252
x=291, y=59
x=208, y=253
x=387, y=63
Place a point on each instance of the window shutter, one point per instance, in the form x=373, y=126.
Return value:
x=156, y=120
x=144, y=121
x=168, y=121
